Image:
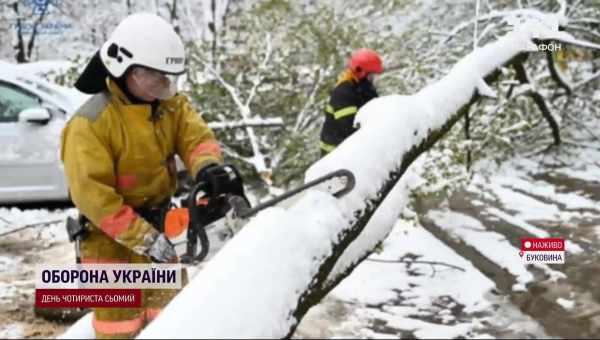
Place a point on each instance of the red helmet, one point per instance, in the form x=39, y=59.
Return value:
x=364, y=61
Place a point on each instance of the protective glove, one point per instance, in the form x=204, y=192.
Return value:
x=162, y=250
x=220, y=180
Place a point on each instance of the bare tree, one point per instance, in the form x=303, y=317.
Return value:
x=23, y=52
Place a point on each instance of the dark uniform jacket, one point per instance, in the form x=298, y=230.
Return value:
x=346, y=98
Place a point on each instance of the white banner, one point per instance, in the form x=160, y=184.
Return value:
x=116, y=276
x=549, y=257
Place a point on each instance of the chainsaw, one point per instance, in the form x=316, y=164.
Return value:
x=204, y=209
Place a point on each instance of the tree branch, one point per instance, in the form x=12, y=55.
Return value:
x=311, y=97
x=537, y=98
x=435, y=263
x=263, y=65
x=268, y=122
x=20, y=56
x=29, y=226
x=34, y=31
x=586, y=81
x=244, y=110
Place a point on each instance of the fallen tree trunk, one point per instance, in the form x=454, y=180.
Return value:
x=284, y=261
x=394, y=131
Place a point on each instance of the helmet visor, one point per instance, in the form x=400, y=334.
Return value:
x=154, y=83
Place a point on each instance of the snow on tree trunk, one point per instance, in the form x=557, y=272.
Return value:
x=284, y=261
x=265, y=280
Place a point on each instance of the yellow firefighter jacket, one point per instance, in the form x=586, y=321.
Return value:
x=118, y=156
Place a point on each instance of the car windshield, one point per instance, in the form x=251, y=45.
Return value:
x=38, y=85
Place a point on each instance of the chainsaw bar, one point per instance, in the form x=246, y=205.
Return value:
x=338, y=183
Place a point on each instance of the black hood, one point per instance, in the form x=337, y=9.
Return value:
x=93, y=78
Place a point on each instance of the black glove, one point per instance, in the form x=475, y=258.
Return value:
x=221, y=184
x=221, y=180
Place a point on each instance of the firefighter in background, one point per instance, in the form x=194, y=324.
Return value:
x=119, y=149
x=354, y=89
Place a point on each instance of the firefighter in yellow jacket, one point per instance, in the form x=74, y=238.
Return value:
x=119, y=149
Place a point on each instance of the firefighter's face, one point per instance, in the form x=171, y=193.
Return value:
x=372, y=77
x=153, y=85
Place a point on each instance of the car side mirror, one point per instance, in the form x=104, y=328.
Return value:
x=36, y=115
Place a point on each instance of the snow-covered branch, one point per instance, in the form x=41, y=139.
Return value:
x=588, y=80
x=252, y=122
x=302, y=116
x=262, y=68
x=258, y=159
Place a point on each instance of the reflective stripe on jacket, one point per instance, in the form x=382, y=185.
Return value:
x=345, y=101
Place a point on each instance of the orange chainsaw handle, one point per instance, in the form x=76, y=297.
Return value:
x=178, y=220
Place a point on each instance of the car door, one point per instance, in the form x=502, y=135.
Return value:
x=29, y=152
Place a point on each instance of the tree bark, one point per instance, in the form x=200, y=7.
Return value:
x=20, y=56
x=173, y=14
x=468, y=137
x=34, y=31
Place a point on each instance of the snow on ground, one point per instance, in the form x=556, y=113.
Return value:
x=528, y=208
x=566, y=304
x=544, y=189
x=530, y=203
x=379, y=299
x=370, y=286
x=12, y=331
x=15, y=218
x=519, y=221
x=588, y=174
x=391, y=300
x=495, y=246
x=20, y=251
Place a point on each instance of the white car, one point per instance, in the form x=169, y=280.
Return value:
x=32, y=115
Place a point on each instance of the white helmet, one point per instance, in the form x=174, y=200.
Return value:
x=143, y=39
